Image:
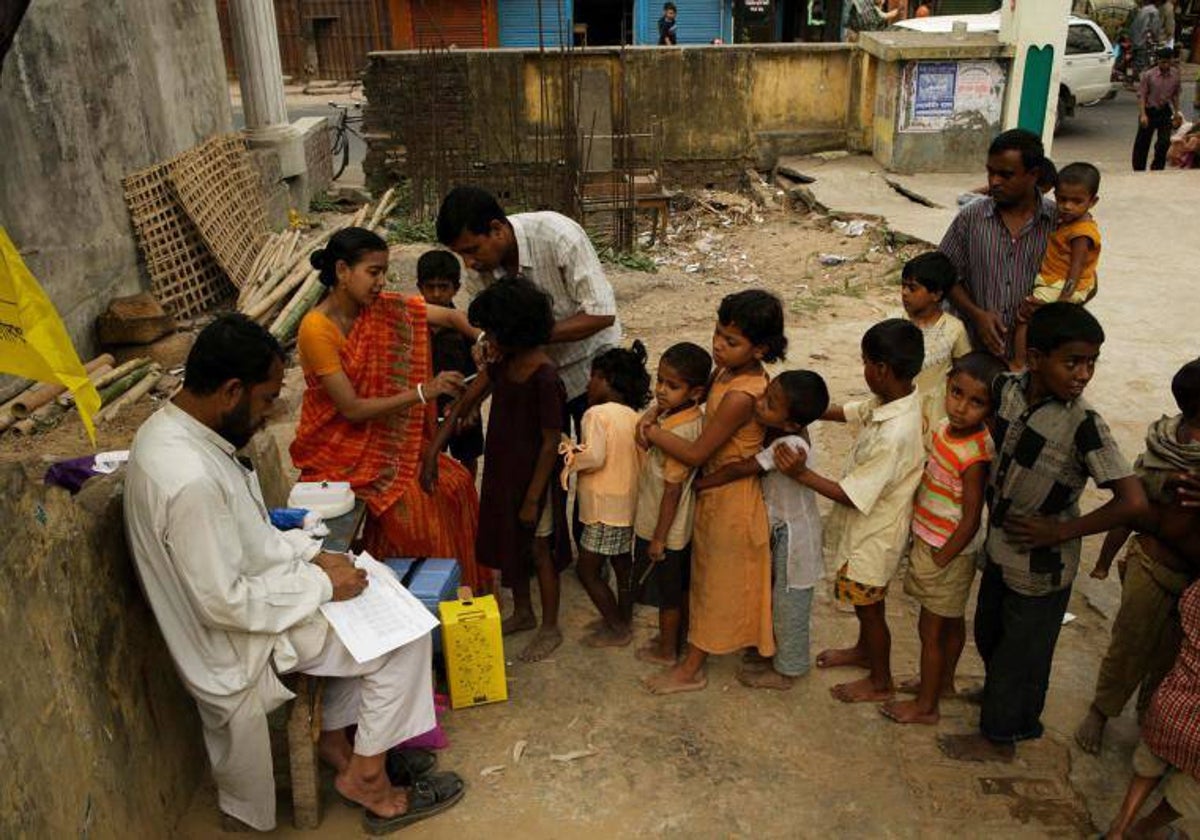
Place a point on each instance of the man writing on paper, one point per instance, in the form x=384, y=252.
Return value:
x=238, y=601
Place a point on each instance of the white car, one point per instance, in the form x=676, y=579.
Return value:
x=1087, y=63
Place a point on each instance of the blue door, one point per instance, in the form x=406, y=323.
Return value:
x=519, y=23
x=699, y=21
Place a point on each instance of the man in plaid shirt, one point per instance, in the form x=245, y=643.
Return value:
x=1049, y=442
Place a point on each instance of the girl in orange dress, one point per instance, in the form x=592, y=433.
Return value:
x=368, y=408
x=730, y=598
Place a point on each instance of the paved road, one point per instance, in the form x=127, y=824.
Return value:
x=1103, y=134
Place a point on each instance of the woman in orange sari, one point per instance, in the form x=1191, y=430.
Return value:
x=368, y=410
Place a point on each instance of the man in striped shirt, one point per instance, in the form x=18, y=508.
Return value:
x=997, y=244
x=554, y=253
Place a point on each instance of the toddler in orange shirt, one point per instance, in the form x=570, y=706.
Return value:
x=1068, y=271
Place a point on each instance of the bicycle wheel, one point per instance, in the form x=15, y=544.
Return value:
x=341, y=152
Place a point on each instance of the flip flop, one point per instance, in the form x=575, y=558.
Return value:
x=407, y=766
x=427, y=797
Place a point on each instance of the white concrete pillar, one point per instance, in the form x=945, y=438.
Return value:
x=1032, y=26
x=260, y=77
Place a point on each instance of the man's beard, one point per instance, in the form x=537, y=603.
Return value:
x=235, y=426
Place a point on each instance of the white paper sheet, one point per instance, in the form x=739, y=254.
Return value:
x=384, y=617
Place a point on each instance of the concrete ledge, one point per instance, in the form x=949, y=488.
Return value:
x=773, y=145
x=905, y=45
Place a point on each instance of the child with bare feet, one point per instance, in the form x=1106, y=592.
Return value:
x=1169, y=749
x=1157, y=567
x=606, y=461
x=793, y=400
x=1049, y=443
x=946, y=516
x=666, y=504
x=868, y=529
x=522, y=509
x=730, y=595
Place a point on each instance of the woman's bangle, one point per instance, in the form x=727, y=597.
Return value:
x=421, y=393
x=481, y=338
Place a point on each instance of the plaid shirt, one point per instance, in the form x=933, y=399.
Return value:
x=556, y=256
x=997, y=270
x=1172, y=726
x=1045, y=454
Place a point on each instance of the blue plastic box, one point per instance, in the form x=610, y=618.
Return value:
x=432, y=580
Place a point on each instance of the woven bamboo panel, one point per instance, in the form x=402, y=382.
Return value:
x=218, y=187
x=184, y=276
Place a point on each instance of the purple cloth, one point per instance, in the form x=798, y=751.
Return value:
x=71, y=473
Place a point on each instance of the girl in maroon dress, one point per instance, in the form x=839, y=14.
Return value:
x=522, y=511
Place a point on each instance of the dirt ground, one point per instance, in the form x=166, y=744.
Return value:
x=730, y=761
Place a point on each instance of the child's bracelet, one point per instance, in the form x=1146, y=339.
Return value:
x=421, y=393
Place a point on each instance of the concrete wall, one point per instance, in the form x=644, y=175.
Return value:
x=713, y=111
x=99, y=738
x=93, y=90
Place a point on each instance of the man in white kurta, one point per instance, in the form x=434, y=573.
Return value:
x=238, y=601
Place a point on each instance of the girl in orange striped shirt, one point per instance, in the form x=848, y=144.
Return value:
x=946, y=517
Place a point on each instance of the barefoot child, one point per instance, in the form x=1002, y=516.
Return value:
x=1162, y=560
x=606, y=462
x=665, y=503
x=522, y=510
x=1068, y=271
x=1169, y=749
x=794, y=399
x=1049, y=442
x=946, y=516
x=924, y=284
x=730, y=596
x=868, y=529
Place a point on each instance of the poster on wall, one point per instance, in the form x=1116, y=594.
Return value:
x=933, y=89
x=939, y=95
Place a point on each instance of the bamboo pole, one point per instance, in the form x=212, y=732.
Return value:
x=379, y=208
x=262, y=307
x=46, y=417
x=30, y=402
x=113, y=410
x=121, y=371
x=296, y=263
x=6, y=415
x=119, y=387
x=285, y=324
x=68, y=399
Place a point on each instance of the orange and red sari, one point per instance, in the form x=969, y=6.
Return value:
x=386, y=352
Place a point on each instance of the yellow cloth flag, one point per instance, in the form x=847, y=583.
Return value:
x=33, y=341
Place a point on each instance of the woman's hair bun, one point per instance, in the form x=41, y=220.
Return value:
x=317, y=259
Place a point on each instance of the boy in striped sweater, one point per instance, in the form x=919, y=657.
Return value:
x=946, y=516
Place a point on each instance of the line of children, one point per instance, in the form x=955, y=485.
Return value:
x=754, y=534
